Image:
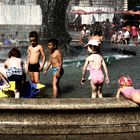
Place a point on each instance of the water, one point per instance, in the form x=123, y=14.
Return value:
x=4, y=50
x=70, y=82
x=118, y=64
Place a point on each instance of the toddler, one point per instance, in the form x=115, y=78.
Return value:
x=128, y=91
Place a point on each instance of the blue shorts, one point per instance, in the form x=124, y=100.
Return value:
x=55, y=70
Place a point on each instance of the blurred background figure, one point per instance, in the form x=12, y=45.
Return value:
x=134, y=33
x=5, y=41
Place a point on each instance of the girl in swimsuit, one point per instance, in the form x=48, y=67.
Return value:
x=15, y=69
x=94, y=63
x=128, y=91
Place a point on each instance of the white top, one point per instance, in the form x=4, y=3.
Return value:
x=126, y=34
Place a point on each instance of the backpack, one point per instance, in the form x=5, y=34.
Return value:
x=29, y=90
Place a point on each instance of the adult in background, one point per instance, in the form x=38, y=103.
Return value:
x=97, y=36
x=84, y=35
x=5, y=41
x=126, y=36
x=134, y=33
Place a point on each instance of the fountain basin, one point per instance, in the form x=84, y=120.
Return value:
x=68, y=117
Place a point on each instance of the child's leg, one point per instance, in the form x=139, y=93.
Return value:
x=36, y=77
x=55, y=86
x=136, y=98
x=31, y=74
x=93, y=89
x=100, y=91
x=18, y=85
x=17, y=94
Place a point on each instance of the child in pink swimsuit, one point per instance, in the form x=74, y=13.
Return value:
x=94, y=63
x=128, y=91
x=134, y=33
x=96, y=75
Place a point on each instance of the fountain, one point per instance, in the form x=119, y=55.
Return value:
x=54, y=26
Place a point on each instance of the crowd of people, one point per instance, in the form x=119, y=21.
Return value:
x=8, y=40
x=126, y=34
x=114, y=33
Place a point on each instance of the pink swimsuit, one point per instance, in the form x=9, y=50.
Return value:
x=134, y=31
x=127, y=92
x=96, y=75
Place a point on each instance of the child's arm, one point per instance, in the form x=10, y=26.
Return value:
x=43, y=58
x=5, y=64
x=6, y=85
x=118, y=93
x=47, y=67
x=106, y=71
x=84, y=71
x=28, y=58
x=60, y=59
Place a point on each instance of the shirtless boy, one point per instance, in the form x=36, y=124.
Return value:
x=35, y=52
x=56, y=61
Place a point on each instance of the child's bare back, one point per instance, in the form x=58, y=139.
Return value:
x=95, y=60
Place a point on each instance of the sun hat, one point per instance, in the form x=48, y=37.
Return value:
x=93, y=43
x=125, y=81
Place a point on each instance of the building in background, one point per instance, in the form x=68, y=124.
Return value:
x=98, y=10
x=19, y=17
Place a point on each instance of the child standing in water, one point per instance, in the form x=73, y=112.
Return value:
x=56, y=61
x=94, y=62
x=15, y=71
x=35, y=52
x=128, y=91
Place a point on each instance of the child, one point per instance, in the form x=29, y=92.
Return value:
x=56, y=61
x=95, y=62
x=35, y=51
x=14, y=66
x=128, y=90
